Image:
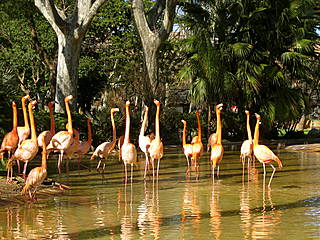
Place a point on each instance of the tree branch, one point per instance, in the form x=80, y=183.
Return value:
x=140, y=18
x=169, y=15
x=50, y=12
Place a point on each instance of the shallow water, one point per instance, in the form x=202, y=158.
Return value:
x=175, y=207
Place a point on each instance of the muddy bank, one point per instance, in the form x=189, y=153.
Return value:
x=11, y=193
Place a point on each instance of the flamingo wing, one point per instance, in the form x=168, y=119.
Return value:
x=264, y=154
x=216, y=154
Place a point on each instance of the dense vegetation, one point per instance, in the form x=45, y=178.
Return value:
x=257, y=55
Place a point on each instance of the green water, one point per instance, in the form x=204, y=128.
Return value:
x=175, y=207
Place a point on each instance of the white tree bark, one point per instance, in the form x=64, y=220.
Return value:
x=154, y=28
x=70, y=31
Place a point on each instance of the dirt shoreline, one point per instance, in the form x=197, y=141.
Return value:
x=11, y=193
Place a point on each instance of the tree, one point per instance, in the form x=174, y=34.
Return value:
x=154, y=27
x=70, y=30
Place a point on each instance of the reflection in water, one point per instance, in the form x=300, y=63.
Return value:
x=190, y=211
x=215, y=212
x=245, y=212
x=127, y=226
x=149, y=217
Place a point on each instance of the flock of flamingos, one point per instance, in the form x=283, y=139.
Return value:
x=22, y=148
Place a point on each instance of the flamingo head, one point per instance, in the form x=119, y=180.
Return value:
x=88, y=121
x=68, y=98
x=34, y=102
x=156, y=102
x=14, y=104
x=127, y=103
x=113, y=110
x=50, y=104
x=247, y=112
x=183, y=121
x=146, y=108
x=24, y=98
x=257, y=116
x=219, y=107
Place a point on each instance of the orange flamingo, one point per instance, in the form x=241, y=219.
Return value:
x=72, y=149
x=247, y=146
x=128, y=150
x=120, y=143
x=187, y=148
x=48, y=134
x=105, y=149
x=24, y=131
x=217, y=149
x=29, y=147
x=63, y=139
x=37, y=175
x=263, y=153
x=211, y=140
x=84, y=147
x=156, y=145
x=11, y=139
x=144, y=141
x=197, y=146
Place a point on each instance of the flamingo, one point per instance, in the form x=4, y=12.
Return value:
x=24, y=131
x=247, y=146
x=48, y=134
x=29, y=147
x=211, y=140
x=197, y=146
x=105, y=149
x=84, y=147
x=187, y=148
x=38, y=174
x=156, y=145
x=263, y=153
x=217, y=149
x=63, y=139
x=71, y=150
x=144, y=141
x=120, y=143
x=11, y=139
x=128, y=150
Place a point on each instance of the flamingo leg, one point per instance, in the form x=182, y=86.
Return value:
x=146, y=165
x=158, y=167
x=126, y=176
x=152, y=162
x=264, y=174
x=218, y=170
x=274, y=170
x=242, y=168
x=25, y=170
x=18, y=166
x=131, y=172
x=98, y=164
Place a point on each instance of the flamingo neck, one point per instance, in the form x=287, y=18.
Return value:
x=114, y=133
x=52, y=126
x=70, y=130
x=184, y=134
x=219, y=128
x=44, y=154
x=89, y=132
x=157, y=123
x=144, y=123
x=127, y=132
x=33, y=127
x=199, y=128
x=15, y=118
x=25, y=114
x=256, y=133
x=248, y=128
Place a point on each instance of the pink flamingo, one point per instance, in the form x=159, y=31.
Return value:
x=144, y=141
x=48, y=134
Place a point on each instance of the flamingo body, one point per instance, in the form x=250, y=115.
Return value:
x=211, y=140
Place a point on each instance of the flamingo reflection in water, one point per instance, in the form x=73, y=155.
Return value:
x=149, y=218
x=265, y=225
x=245, y=212
x=215, y=213
x=127, y=223
x=191, y=208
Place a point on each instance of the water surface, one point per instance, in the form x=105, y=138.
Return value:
x=175, y=207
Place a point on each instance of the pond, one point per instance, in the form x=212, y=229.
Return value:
x=101, y=206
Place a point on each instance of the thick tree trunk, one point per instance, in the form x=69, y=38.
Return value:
x=67, y=69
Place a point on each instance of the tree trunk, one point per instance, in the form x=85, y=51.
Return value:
x=67, y=69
